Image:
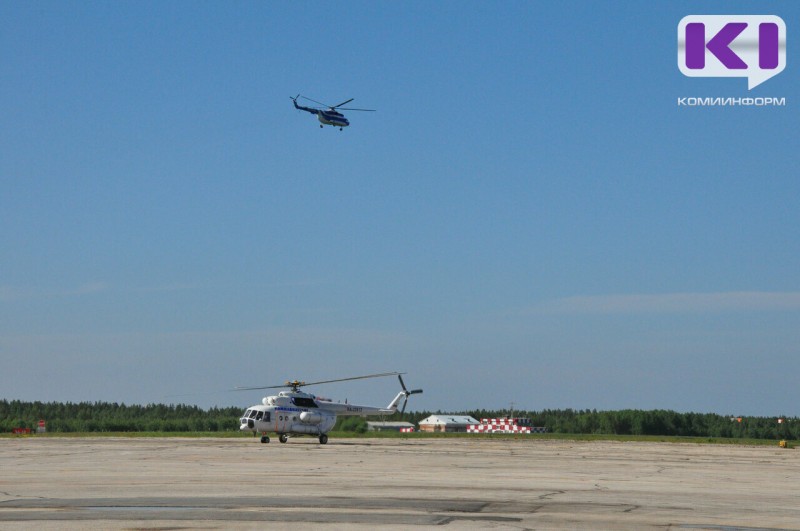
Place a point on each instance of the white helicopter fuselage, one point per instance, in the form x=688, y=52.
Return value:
x=296, y=412
x=333, y=118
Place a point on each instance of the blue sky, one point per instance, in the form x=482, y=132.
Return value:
x=528, y=217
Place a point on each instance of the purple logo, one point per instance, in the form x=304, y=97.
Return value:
x=751, y=46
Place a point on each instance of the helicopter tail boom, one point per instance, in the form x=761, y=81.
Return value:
x=392, y=407
x=301, y=108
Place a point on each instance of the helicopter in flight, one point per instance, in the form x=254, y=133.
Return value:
x=329, y=115
x=293, y=413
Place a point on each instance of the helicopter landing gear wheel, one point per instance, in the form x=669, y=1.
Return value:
x=340, y=129
x=283, y=438
x=323, y=439
x=264, y=439
x=320, y=126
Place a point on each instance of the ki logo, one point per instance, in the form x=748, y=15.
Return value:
x=751, y=46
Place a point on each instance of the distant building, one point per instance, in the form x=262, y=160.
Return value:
x=448, y=423
x=388, y=426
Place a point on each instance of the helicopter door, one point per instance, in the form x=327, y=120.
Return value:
x=263, y=420
x=282, y=421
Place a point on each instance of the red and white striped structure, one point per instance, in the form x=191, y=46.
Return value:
x=505, y=425
x=406, y=430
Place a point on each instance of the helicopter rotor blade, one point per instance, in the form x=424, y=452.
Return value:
x=303, y=384
x=334, y=107
x=317, y=102
x=261, y=387
x=356, y=378
x=343, y=103
x=405, y=399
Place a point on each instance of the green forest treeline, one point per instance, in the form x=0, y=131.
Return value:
x=113, y=417
x=105, y=417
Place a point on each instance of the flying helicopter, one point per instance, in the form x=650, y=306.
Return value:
x=294, y=412
x=329, y=116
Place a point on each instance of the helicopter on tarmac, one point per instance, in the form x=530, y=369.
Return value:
x=294, y=412
x=329, y=116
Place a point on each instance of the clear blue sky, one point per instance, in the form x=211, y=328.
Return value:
x=528, y=217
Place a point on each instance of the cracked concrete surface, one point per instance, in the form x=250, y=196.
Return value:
x=524, y=483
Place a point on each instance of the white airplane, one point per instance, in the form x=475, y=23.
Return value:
x=293, y=413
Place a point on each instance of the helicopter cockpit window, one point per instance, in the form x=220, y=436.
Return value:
x=252, y=414
x=300, y=401
x=259, y=415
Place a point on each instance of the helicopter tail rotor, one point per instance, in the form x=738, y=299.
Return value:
x=407, y=393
